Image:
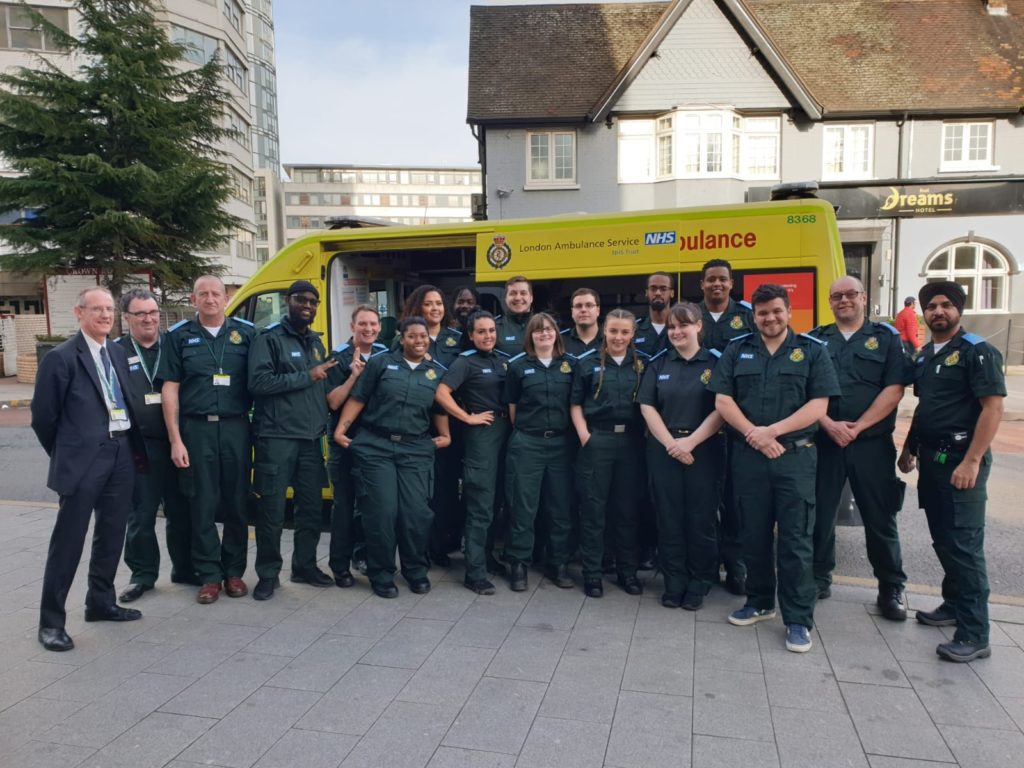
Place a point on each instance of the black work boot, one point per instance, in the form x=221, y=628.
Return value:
x=517, y=580
x=891, y=602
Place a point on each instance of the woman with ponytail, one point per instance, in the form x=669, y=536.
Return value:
x=610, y=467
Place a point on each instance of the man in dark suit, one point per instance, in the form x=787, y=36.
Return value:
x=87, y=428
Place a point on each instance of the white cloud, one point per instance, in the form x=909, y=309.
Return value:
x=356, y=102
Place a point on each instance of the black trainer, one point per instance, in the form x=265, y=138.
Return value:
x=692, y=601
x=264, y=589
x=964, y=650
x=942, y=616
x=672, y=600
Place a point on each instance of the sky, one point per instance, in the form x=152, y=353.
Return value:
x=379, y=82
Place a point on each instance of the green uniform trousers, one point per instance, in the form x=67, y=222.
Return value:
x=449, y=515
x=393, y=488
x=484, y=450
x=730, y=543
x=216, y=483
x=870, y=465
x=956, y=520
x=538, y=480
x=769, y=493
x=280, y=462
x=141, y=548
x=347, y=539
x=686, y=499
x=611, y=476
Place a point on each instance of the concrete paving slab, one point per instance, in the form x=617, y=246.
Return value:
x=405, y=736
x=651, y=730
x=893, y=721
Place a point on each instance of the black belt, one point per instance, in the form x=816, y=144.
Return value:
x=616, y=429
x=547, y=434
x=792, y=445
x=213, y=416
x=677, y=432
x=394, y=437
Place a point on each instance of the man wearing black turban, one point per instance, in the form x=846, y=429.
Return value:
x=960, y=388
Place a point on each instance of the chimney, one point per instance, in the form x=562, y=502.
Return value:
x=996, y=7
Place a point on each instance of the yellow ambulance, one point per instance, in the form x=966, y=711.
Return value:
x=791, y=242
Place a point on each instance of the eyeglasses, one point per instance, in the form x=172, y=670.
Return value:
x=585, y=306
x=152, y=314
x=848, y=295
x=545, y=330
x=305, y=301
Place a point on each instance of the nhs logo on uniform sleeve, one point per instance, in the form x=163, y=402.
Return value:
x=746, y=355
x=194, y=340
x=528, y=371
x=392, y=367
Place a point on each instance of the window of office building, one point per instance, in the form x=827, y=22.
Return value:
x=235, y=123
x=20, y=30
x=966, y=146
x=235, y=71
x=980, y=269
x=551, y=158
x=233, y=13
x=199, y=48
x=241, y=185
x=847, y=152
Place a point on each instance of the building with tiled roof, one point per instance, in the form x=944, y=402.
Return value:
x=910, y=114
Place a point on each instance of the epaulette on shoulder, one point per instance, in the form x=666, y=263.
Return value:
x=516, y=357
x=467, y=353
x=740, y=338
x=246, y=322
x=342, y=347
x=746, y=304
x=380, y=346
x=892, y=328
x=816, y=341
x=714, y=353
x=565, y=331
x=655, y=356
x=271, y=326
x=439, y=365
x=456, y=331
x=641, y=354
x=178, y=324
x=973, y=338
x=501, y=352
x=586, y=354
x=379, y=352
x=498, y=317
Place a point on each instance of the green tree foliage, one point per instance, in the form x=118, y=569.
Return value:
x=117, y=159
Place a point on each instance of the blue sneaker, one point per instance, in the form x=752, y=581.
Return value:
x=798, y=638
x=748, y=615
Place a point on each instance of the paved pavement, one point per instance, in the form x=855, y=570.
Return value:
x=451, y=680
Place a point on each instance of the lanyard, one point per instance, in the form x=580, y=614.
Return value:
x=108, y=380
x=142, y=361
x=219, y=361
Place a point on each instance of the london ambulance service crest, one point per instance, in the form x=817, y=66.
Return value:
x=565, y=367
x=871, y=343
x=706, y=376
x=499, y=254
x=796, y=355
x=450, y=341
x=953, y=358
x=235, y=337
x=431, y=374
x=736, y=323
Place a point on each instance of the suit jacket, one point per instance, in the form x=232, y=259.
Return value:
x=69, y=411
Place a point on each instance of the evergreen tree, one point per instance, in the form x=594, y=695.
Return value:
x=117, y=161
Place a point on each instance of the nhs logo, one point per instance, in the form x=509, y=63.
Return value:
x=660, y=238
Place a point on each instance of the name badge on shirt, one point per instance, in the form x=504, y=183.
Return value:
x=528, y=371
x=133, y=360
x=486, y=370
x=664, y=376
x=296, y=353
x=153, y=398
x=222, y=380
x=118, y=414
x=510, y=338
x=392, y=367
x=639, y=340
